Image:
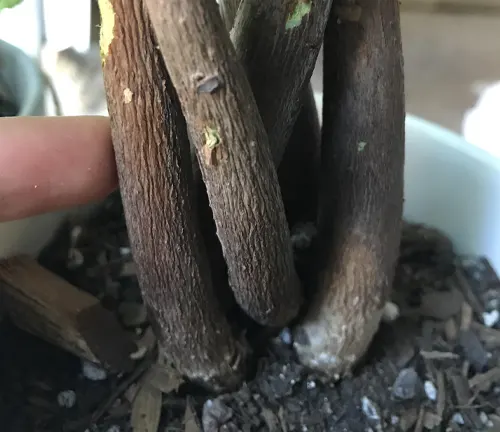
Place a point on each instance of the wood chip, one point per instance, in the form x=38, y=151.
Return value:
x=407, y=419
x=489, y=336
x=45, y=305
x=483, y=382
x=146, y=409
x=450, y=330
x=439, y=355
x=191, y=423
x=441, y=305
x=470, y=296
x=441, y=393
x=419, y=426
x=464, y=396
x=431, y=420
x=473, y=350
x=466, y=316
x=164, y=378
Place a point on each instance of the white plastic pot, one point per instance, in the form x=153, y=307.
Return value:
x=23, y=81
x=453, y=186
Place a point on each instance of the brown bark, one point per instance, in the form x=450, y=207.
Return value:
x=41, y=303
x=298, y=172
x=154, y=166
x=362, y=182
x=278, y=43
x=234, y=156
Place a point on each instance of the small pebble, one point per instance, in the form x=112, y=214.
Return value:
x=369, y=408
x=125, y=251
x=394, y=420
x=407, y=384
x=311, y=385
x=391, y=312
x=75, y=259
x=286, y=336
x=114, y=428
x=458, y=418
x=484, y=418
x=93, y=372
x=66, y=399
x=430, y=390
x=491, y=318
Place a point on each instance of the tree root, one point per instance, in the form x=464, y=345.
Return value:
x=278, y=42
x=152, y=154
x=361, y=196
x=234, y=155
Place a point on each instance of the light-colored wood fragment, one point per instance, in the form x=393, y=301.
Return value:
x=45, y=305
x=191, y=423
x=146, y=409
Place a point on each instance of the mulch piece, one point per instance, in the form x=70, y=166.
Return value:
x=435, y=367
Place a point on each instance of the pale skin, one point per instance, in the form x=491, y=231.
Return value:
x=52, y=163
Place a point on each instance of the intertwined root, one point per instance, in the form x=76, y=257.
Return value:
x=171, y=62
x=362, y=184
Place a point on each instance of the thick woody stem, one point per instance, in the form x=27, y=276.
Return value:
x=278, y=42
x=234, y=155
x=152, y=154
x=361, y=199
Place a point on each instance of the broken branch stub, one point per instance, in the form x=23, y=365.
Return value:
x=233, y=151
x=361, y=197
x=278, y=42
x=152, y=154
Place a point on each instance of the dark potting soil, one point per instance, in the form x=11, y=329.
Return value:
x=7, y=108
x=435, y=366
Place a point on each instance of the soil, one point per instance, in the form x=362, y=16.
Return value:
x=434, y=364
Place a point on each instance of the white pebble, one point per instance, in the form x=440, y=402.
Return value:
x=114, y=428
x=369, y=409
x=391, y=312
x=458, y=418
x=286, y=336
x=124, y=251
x=430, y=390
x=93, y=372
x=484, y=418
x=491, y=318
x=66, y=399
x=311, y=385
x=394, y=420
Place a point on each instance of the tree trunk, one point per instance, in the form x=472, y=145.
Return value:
x=234, y=155
x=362, y=182
x=152, y=154
x=278, y=42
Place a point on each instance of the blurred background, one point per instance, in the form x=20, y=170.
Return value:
x=451, y=47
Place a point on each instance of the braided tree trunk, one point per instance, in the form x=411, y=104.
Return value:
x=238, y=79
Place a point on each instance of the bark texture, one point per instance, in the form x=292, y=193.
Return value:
x=152, y=154
x=234, y=155
x=362, y=182
x=278, y=42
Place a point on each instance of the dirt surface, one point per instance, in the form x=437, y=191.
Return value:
x=435, y=367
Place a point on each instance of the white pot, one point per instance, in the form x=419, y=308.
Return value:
x=453, y=186
x=22, y=77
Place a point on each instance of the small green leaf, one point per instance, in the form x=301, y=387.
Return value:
x=302, y=8
x=8, y=4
